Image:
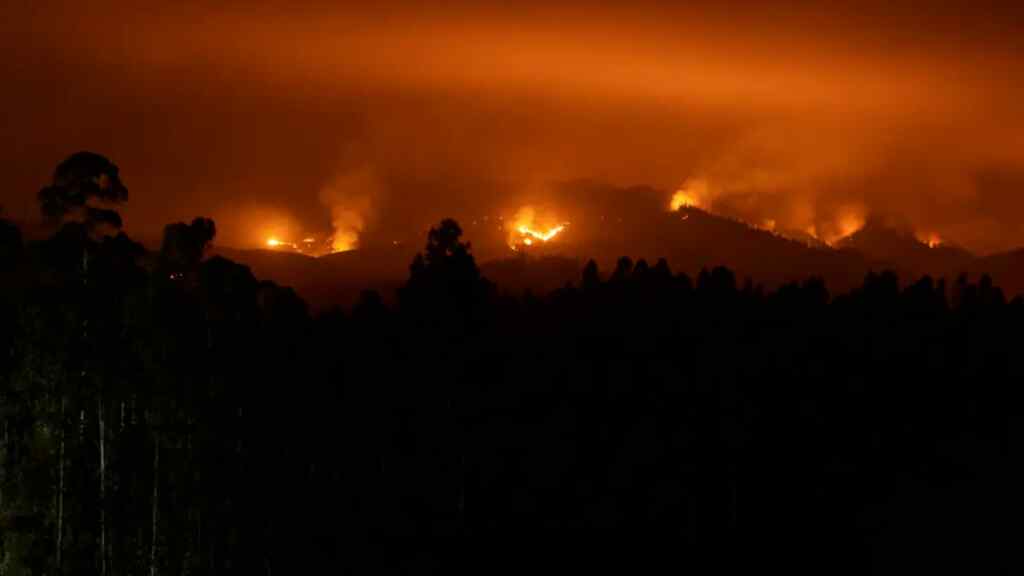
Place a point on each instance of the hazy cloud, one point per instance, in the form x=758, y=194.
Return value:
x=791, y=111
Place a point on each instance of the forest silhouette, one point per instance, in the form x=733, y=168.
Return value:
x=166, y=413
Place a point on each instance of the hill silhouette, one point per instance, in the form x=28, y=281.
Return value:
x=692, y=239
x=332, y=280
x=899, y=249
x=689, y=240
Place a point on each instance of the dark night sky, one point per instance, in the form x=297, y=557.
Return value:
x=258, y=115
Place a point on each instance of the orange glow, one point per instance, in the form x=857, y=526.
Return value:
x=681, y=199
x=528, y=229
x=931, y=239
x=543, y=236
x=344, y=240
x=309, y=245
x=528, y=236
x=851, y=219
x=693, y=194
x=277, y=244
x=351, y=196
x=780, y=107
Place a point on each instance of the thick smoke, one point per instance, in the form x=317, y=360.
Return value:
x=352, y=198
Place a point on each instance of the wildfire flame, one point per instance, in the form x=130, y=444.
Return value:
x=681, y=199
x=931, y=239
x=278, y=244
x=527, y=232
x=693, y=194
x=311, y=246
x=850, y=221
x=529, y=236
x=344, y=239
x=352, y=198
x=543, y=236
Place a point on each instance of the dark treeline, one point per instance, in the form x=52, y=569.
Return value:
x=166, y=414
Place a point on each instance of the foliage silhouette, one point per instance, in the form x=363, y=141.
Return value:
x=81, y=178
x=184, y=244
x=640, y=422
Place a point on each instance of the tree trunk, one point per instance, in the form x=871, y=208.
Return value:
x=103, y=491
x=3, y=463
x=155, y=506
x=60, y=490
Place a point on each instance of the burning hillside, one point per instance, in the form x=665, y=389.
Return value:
x=309, y=245
x=529, y=228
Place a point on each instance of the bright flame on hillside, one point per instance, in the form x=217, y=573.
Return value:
x=309, y=245
x=527, y=230
x=849, y=222
x=542, y=235
x=693, y=194
x=345, y=238
x=681, y=199
x=353, y=198
x=931, y=239
x=278, y=244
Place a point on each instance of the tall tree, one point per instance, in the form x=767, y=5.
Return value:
x=184, y=244
x=83, y=187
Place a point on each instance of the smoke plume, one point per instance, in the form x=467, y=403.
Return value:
x=352, y=198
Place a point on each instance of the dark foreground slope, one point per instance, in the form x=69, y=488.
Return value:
x=199, y=420
x=1005, y=268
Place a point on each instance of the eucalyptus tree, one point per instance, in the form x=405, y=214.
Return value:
x=83, y=188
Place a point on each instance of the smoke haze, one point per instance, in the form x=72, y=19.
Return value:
x=351, y=199
x=377, y=121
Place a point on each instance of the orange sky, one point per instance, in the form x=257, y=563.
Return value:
x=791, y=111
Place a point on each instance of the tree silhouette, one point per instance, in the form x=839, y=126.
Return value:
x=10, y=244
x=445, y=278
x=79, y=183
x=151, y=426
x=184, y=244
x=591, y=279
